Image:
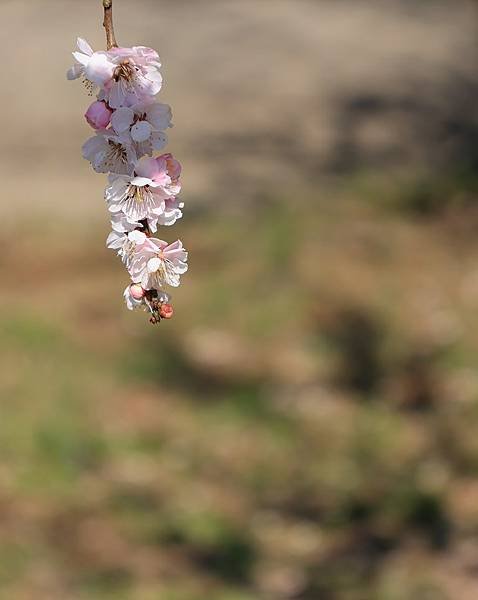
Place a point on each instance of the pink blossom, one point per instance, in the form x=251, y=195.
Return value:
x=144, y=194
x=158, y=263
x=162, y=171
x=127, y=244
x=98, y=115
x=108, y=152
x=136, y=76
x=145, y=123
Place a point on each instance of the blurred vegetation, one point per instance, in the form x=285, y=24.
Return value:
x=305, y=428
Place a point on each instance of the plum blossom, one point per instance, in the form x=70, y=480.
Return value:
x=143, y=189
x=126, y=244
x=145, y=124
x=96, y=68
x=143, y=195
x=158, y=263
x=109, y=153
x=135, y=199
x=98, y=115
x=135, y=77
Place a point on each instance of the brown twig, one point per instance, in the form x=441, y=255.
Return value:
x=108, y=25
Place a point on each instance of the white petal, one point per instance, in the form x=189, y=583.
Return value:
x=159, y=115
x=74, y=72
x=81, y=58
x=155, y=81
x=93, y=146
x=138, y=237
x=141, y=181
x=115, y=240
x=154, y=264
x=99, y=69
x=84, y=47
x=116, y=96
x=121, y=119
x=153, y=224
x=141, y=131
x=159, y=140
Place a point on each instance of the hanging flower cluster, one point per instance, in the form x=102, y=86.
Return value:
x=142, y=194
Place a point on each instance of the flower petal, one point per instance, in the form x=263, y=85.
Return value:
x=159, y=115
x=146, y=167
x=141, y=181
x=84, y=47
x=99, y=69
x=74, y=72
x=116, y=95
x=122, y=119
x=154, y=264
x=141, y=131
x=83, y=59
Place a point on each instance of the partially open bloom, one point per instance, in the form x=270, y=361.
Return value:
x=136, y=76
x=132, y=302
x=137, y=291
x=98, y=115
x=97, y=68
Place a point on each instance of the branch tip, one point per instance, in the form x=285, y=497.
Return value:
x=108, y=25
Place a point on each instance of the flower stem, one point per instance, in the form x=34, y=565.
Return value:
x=108, y=25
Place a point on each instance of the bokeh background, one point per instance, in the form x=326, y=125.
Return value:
x=306, y=427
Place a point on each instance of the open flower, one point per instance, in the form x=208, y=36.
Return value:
x=158, y=263
x=145, y=124
x=143, y=195
x=126, y=244
x=136, y=76
x=109, y=153
x=97, y=68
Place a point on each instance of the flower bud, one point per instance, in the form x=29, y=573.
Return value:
x=136, y=291
x=98, y=115
x=166, y=311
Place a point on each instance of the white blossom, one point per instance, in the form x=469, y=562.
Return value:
x=97, y=68
x=109, y=153
x=158, y=263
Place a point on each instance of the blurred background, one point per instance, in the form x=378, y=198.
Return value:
x=306, y=427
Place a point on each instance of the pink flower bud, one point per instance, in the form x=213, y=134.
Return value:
x=98, y=115
x=136, y=291
x=166, y=311
x=173, y=166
